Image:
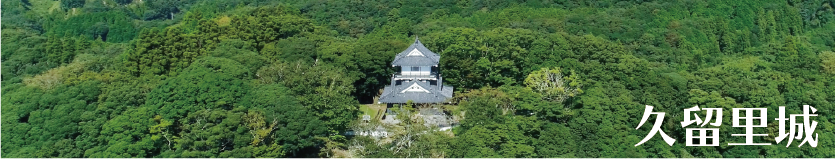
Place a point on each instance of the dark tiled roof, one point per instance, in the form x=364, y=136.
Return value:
x=392, y=94
x=429, y=59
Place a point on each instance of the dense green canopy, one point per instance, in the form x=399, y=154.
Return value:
x=287, y=78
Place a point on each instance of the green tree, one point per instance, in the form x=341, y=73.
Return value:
x=72, y=4
x=556, y=140
x=827, y=61
x=162, y=52
x=553, y=85
x=293, y=126
x=268, y=24
x=322, y=88
x=210, y=83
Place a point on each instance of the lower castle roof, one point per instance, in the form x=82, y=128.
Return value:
x=432, y=93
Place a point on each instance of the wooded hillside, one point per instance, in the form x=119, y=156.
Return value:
x=287, y=78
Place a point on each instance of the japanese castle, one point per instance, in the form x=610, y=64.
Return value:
x=418, y=79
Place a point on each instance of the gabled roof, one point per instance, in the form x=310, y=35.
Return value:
x=415, y=87
x=416, y=55
x=407, y=91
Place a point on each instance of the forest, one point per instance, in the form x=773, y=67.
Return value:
x=288, y=78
